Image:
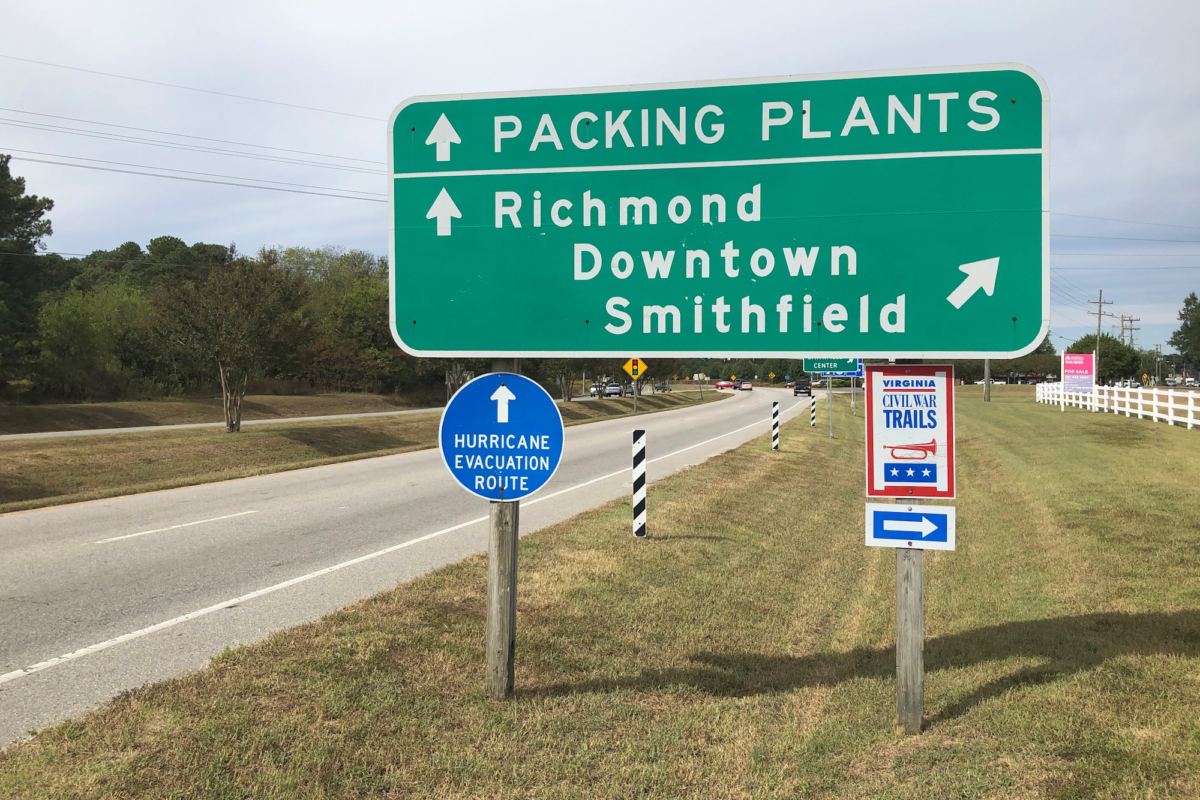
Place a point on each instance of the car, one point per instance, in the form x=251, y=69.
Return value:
x=612, y=390
x=662, y=387
x=723, y=385
x=1189, y=381
x=743, y=386
x=801, y=386
x=595, y=390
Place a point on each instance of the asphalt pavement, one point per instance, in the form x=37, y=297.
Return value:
x=100, y=597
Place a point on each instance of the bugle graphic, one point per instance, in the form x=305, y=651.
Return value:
x=913, y=452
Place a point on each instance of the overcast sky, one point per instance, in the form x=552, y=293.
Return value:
x=1124, y=83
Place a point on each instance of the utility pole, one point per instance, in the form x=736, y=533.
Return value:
x=1100, y=315
x=987, y=380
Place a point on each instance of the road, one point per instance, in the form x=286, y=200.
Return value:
x=100, y=597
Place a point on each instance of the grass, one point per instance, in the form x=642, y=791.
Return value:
x=15, y=418
x=744, y=650
x=41, y=472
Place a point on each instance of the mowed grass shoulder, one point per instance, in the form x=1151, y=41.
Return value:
x=744, y=650
x=40, y=472
x=16, y=418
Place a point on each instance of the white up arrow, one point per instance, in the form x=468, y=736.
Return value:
x=980, y=275
x=924, y=527
x=443, y=135
x=443, y=209
x=502, y=396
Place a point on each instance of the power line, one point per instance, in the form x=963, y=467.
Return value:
x=197, y=180
x=187, y=171
x=187, y=136
x=1122, y=238
x=117, y=137
x=1134, y=255
x=191, y=88
x=1128, y=221
x=1072, y=283
x=1064, y=295
x=1065, y=292
x=1130, y=269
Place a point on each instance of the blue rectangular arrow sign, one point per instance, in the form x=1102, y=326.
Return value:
x=918, y=527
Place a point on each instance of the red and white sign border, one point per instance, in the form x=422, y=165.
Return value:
x=910, y=370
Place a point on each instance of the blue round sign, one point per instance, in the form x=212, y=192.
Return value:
x=502, y=436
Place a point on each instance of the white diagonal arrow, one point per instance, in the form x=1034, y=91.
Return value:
x=443, y=209
x=980, y=275
x=502, y=396
x=443, y=135
x=924, y=527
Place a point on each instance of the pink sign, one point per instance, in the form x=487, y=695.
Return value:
x=1078, y=372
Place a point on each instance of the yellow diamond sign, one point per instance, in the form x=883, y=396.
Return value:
x=635, y=367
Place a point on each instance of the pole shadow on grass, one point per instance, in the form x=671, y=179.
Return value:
x=1063, y=645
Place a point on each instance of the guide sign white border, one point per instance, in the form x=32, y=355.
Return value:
x=735, y=353
x=942, y=433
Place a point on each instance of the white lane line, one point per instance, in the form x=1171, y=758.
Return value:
x=203, y=612
x=170, y=623
x=174, y=527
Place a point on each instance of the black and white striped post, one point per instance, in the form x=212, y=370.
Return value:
x=774, y=426
x=639, y=484
x=812, y=417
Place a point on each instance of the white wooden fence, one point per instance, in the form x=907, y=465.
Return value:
x=1161, y=405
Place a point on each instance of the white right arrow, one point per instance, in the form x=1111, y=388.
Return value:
x=980, y=275
x=443, y=135
x=502, y=396
x=443, y=209
x=924, y=527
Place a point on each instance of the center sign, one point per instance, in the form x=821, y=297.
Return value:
x=886, y=214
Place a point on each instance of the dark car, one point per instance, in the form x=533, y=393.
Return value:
x=662, y=387
x=803, y=386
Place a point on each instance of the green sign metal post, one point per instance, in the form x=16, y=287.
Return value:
x=890, y=214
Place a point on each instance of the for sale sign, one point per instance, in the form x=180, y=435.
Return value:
x=910, y=431
x=1078, y=372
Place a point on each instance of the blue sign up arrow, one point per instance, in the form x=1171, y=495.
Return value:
x=924, y=527
x=502, y=436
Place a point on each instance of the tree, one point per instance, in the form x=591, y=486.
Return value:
x=560, y=371
x=24, y=273
x=89, y=342
x=241, y=316
x=1117, y=359
x=1187, y=339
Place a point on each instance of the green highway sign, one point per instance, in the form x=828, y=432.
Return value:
x=882, y=214
x=831, y=365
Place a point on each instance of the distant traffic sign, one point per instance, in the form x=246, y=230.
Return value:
x=501, y=436
x=900, y=213
x=910, y=431
x=835, y=367
x=916, y=527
